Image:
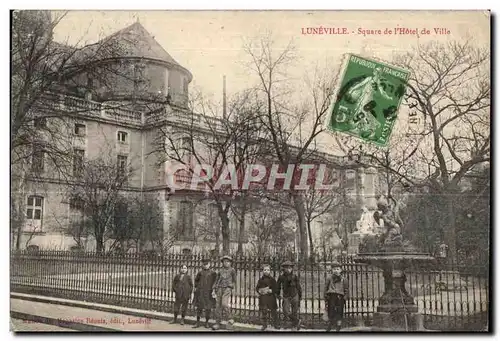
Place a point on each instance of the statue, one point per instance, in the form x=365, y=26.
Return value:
x=391, y=222
x=365, y=223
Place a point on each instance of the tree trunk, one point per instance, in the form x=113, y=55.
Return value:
x=18, y=206
x=217, y=237
x=241, y=231
x=309, y=234
x=18, y=237
x=301, y=215
x=99, y=243
x=450, y=238
x=225, y=233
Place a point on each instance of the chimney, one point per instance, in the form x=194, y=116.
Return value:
x=224, y=109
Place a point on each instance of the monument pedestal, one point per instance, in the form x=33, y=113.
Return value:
x=397, y=310
x=353, y=240
x=399, y=320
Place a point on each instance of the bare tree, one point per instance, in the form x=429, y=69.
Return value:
x=320, y=204
x=98, y=187
x=267, y=229
x=449, y=90
x=146, y=223
x=226, y=145
x=43, y=71
x=457, y=117
x=291, y=118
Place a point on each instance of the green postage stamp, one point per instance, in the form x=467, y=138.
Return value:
x=368, y=99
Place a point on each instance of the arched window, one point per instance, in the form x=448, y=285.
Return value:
x=34, y=213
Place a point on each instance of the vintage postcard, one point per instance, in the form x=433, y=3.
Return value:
x=239, y=171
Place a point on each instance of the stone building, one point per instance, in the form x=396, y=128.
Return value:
x=121, y=117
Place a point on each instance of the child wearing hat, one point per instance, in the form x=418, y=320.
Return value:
x=289, y=283
x=203, y=298
x=224, y=285
x=182, y=286
x=336, y=293
x=267, y=289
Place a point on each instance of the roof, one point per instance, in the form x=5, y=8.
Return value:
x=134, y=41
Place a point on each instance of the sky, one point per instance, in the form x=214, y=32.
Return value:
x=209, y=43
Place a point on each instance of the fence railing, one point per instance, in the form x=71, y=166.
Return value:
x=451, y=297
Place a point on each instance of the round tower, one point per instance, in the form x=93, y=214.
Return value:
x=135, y=68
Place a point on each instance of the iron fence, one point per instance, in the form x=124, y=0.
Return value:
x=450, y=296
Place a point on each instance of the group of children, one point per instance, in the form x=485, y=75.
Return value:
x=213, y=290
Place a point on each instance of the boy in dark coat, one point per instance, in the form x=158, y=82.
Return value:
x=288, y=282
x=267, y=289
x=336, y=292
x=203, y=298
x=182, y=286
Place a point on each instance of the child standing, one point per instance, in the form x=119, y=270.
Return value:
x=203, y=298
x=336, y=293
x=182, y=286
x=267, y=289
x=288, y=282
x=224, y=285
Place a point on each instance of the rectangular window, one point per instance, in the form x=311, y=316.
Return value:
x=77, y=227
x=120, y=231
x=76, y=205
x=139, y=77
x=80, y=129
x=40, y=122
x=185, y=220
x=78, y=157
x=122, y=136
x=185, y=146
x=34, y=213
x=90, y=83
x=166, y=86
x=185, y=87
x=38, y=158
x=122, y=165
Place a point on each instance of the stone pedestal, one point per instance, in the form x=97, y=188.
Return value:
x=354, y=239
x=397, y=310
x=399, y=321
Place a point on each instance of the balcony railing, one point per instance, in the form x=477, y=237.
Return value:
x=76, y=105
x=184, y=118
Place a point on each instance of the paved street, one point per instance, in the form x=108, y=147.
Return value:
x=96, y=318
x=17, y=325
x=84, y=319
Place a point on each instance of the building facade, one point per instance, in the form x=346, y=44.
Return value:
x=121, y=118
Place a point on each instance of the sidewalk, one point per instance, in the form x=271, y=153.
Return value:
x=29, y=314
x=33, y=310
x=17, y=325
